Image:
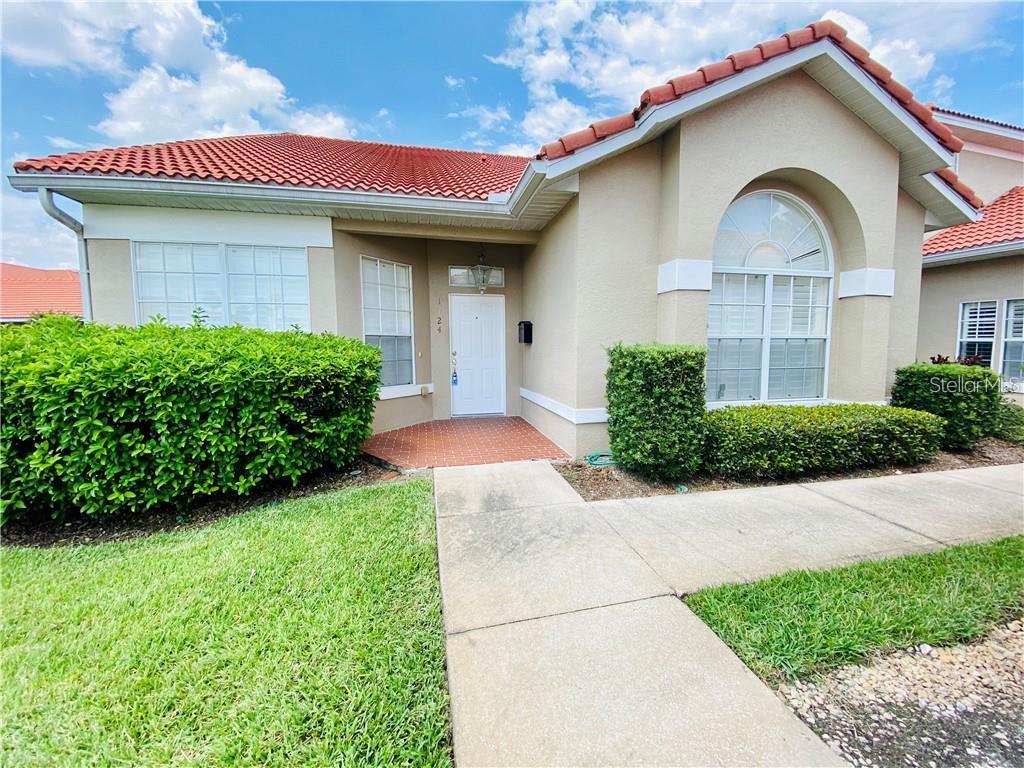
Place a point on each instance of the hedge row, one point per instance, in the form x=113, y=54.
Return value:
x=658, y=425
x=101, y=420
x=966, y=396
x=774, y=442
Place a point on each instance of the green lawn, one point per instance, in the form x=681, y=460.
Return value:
x=305, y=633
x=797, y=623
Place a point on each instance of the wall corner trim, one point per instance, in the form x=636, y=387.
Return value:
x=684, y=275
x=869, y=281
x=567, y=412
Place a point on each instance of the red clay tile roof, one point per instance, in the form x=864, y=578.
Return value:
x=678, y=87
x=969, y=116
x=1002, y=221
x=306, y=161
x=25, y=291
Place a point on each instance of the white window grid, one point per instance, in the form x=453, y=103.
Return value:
x=387, y=317
x=173, y=279
x=976, y=333
x=460, y=277
x=1013, y=344
x=792, y=333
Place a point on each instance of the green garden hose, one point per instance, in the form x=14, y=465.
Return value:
x=601, y=459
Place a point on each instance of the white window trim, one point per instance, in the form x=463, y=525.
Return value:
x=1001, y=330
x=389, y=392
x=766, y=335
x=223, y=248
x=996, y=362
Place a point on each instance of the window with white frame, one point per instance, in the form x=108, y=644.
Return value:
x=977, y=335
x=387, y=317
x=255, y=286
x=770, y=302
x=1013, y=342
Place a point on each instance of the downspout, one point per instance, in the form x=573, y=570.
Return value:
x=69, y=221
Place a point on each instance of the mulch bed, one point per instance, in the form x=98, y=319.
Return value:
x=599, y=483
x=923, y=706
x=47, y=532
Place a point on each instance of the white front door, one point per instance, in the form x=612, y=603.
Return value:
x=477, y=361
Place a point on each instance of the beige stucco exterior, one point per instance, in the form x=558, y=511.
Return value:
x=589, y=278
x=943, y=288
x=990, y=172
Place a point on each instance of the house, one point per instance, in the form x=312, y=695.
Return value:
x=972, y=286
x=27, y=291
x=771, y=206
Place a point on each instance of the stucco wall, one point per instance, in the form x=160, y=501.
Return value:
x=943, y=288
x=774, y=135
x=989, y=175
x=110, y=276
x=905, y=304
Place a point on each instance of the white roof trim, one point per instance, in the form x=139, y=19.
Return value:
x=994, y=251
x=976, y=124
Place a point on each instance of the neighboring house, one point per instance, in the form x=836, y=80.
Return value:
x=972, y=286
x=27, y=291
x=771, y=205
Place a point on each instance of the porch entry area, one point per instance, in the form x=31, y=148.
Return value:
x=462, y=441
x=477, y=352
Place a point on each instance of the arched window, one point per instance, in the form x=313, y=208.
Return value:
x=770, y=305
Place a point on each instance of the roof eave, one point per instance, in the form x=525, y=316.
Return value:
x=979, y=253
x=823, y=60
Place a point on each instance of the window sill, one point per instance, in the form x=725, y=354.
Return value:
x=404, y=390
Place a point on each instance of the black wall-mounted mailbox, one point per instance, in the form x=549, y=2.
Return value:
x=525, y=332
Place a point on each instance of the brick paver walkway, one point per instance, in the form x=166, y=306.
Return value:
x=457, y=442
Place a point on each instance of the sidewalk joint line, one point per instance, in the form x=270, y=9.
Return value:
x=562, y=613
x=871, y=514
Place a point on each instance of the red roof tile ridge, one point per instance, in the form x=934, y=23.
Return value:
x=1002, y=221
x=979, y=118
x=678, y=87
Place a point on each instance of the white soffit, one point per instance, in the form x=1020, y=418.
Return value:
x=869, y=281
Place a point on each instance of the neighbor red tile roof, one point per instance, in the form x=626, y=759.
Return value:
x=1002, y=221
x=26, y=291
x=678, y=87
x=943, y=111
x=306, y=161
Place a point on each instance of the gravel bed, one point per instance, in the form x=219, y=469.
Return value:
x=923, y=706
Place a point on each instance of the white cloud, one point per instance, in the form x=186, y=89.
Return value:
x=62, y=143
x=941, y=90
x=30, y=237
x=486, y=117
x=454, y=82
x=189, y=85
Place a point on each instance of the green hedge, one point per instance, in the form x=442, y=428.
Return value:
x=103, y=420
x=966, y=396
x=769, y=442
x=656, y=408
x=1009, y=423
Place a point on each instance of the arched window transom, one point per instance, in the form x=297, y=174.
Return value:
x=770, y=304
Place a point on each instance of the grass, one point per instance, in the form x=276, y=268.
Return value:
x=803, y=622
x=303, y=633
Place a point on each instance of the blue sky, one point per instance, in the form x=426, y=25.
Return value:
x=492, y=76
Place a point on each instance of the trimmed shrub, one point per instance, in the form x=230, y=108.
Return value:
x=773, y=442
x=656, y=408
x=1009, y=424
x=966, y=396
x=103, y=420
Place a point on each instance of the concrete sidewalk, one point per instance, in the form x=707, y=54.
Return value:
x=567, y=644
